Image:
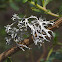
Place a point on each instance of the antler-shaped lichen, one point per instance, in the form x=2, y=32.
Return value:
x=37, y=26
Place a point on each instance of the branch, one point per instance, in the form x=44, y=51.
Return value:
x=43, y=54
x=51, y=50
x=57, y=24
x=15, y=49
x=27, y=42
x=44, y=9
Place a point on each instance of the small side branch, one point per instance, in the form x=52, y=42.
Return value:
x=44, y=9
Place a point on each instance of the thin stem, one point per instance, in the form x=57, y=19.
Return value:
x=43, y=54
x=59, y=43
x=44, y=9
x=50, y=52
x=32, y=56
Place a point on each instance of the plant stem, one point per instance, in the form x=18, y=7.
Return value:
x=51, y=50
x=59, y=43
x=43, y=55
x=44, y=9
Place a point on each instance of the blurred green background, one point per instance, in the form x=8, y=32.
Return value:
x=8, y=8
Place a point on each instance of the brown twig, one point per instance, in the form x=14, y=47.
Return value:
x=27, y=42
x=32, y=56
x=57, y=24
x=44, y=53
x=14, y=49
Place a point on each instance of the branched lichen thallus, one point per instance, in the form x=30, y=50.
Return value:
x=38, y=28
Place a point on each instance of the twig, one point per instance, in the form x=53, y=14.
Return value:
x=59, y=43
x=27, y=42
x=57, y=24
x=44, y=9
x=15, y=49
x=51, y=50
x=43, y=54
x=32, y=56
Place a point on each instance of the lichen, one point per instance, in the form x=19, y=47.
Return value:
x=38, y=27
